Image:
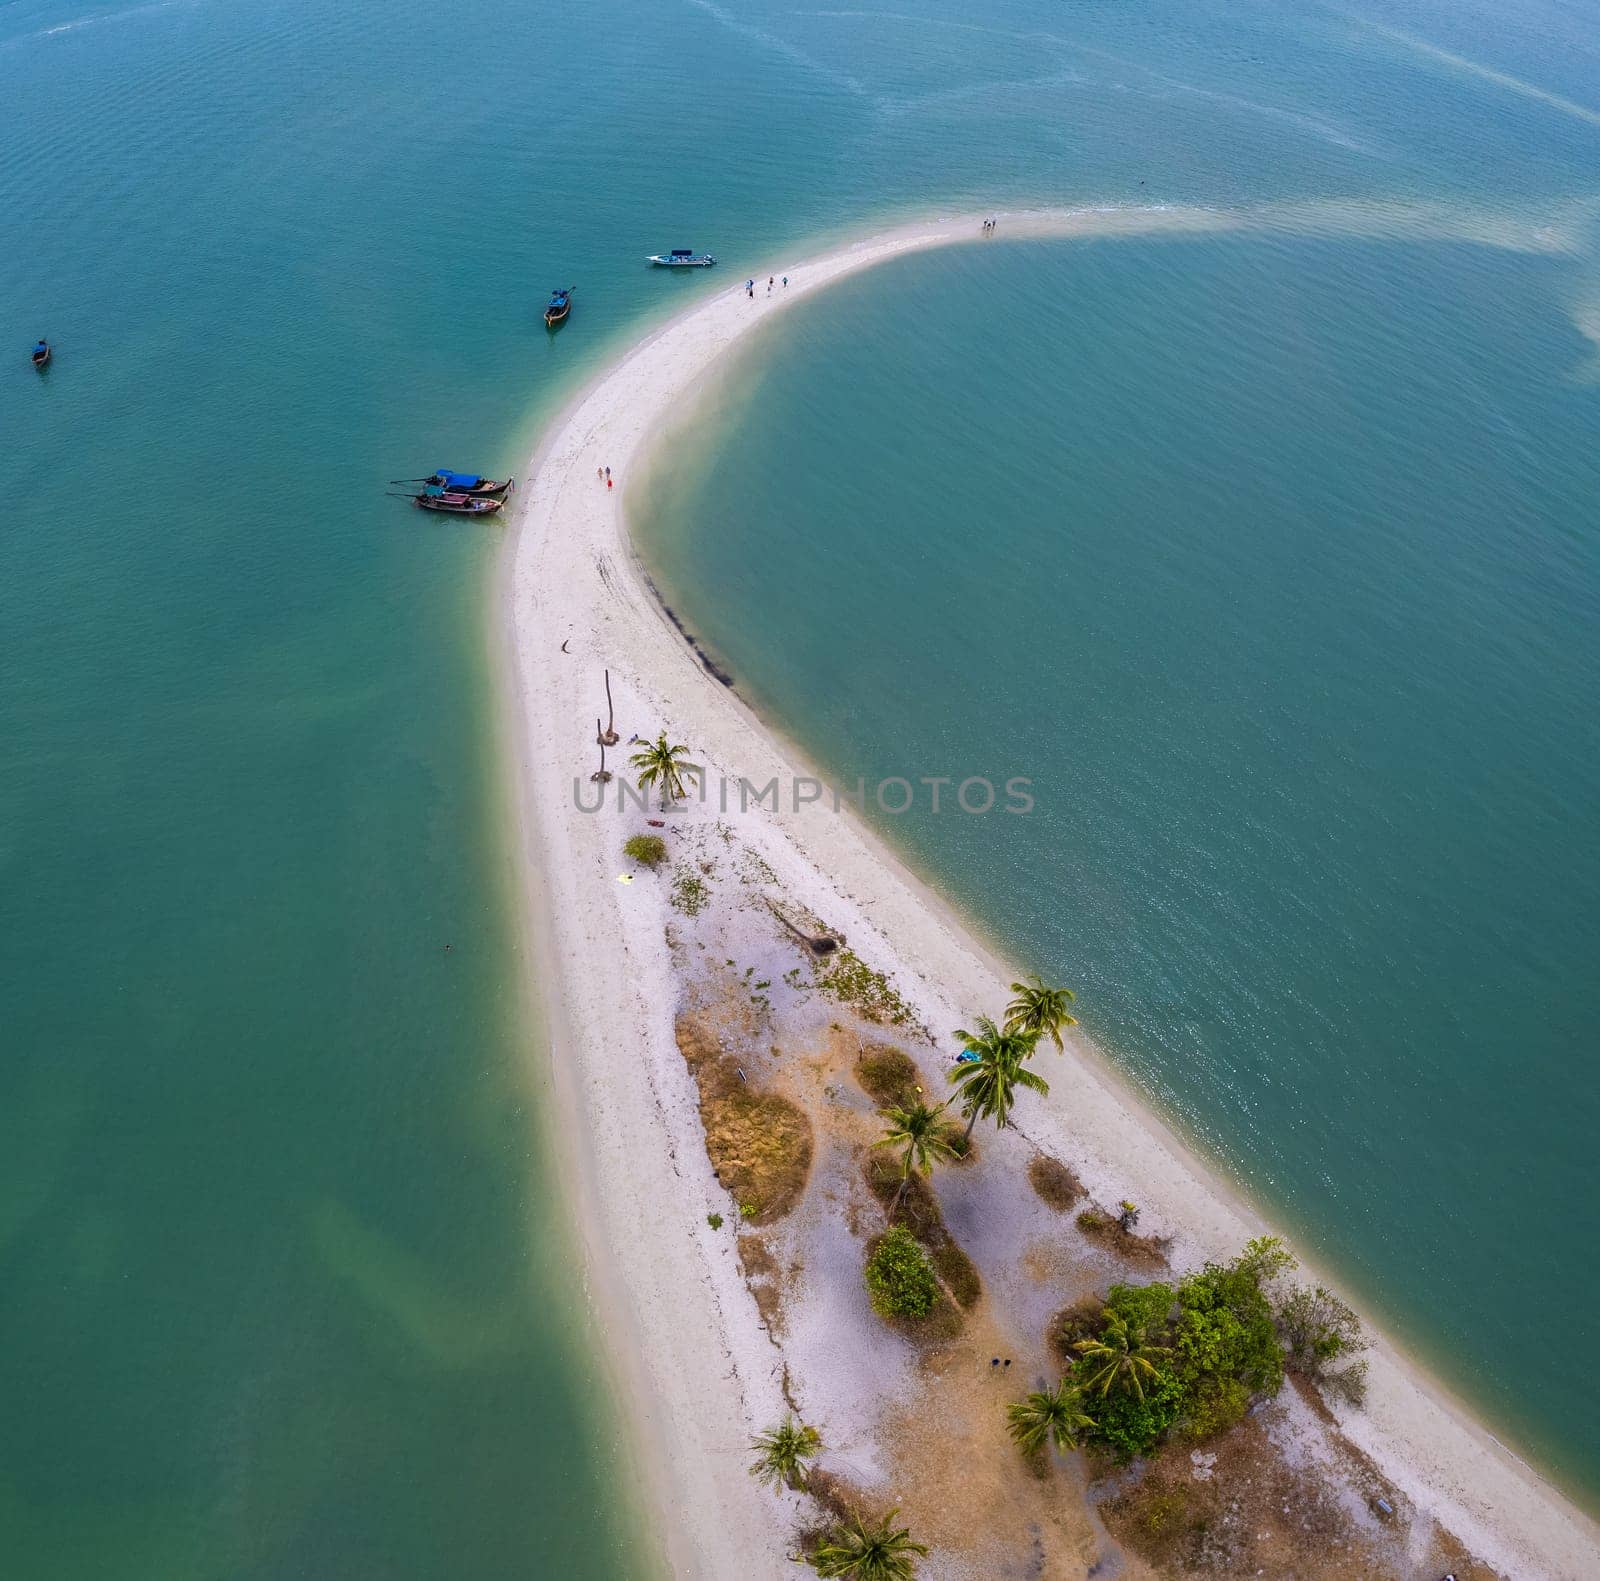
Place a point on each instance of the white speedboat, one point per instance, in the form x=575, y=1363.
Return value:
x=681, y=258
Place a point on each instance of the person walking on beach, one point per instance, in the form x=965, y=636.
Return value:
x=769, y=285
x=750, y=289
x=608, y=474
x=599, y=473
x=786, y=282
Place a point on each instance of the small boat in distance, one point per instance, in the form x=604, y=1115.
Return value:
x=41, y=354
x=560, y=306
x=435, y=499
x=681, y=258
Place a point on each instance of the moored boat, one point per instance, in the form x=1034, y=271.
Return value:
x=560, y=306
x=456, y=504
x=681, y=258
x=41, y=354
x=469, y=483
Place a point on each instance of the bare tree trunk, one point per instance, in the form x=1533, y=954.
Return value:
x=894, y=1207
x=608, y=737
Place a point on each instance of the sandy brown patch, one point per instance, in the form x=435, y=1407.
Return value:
x=1236, y=1506
x=759, y=1144
x=953, y=1458
x=764, y=1275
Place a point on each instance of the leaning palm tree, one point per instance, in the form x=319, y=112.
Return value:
x=1040, y=1011
x=782, y=1451
x=920, y=1131
x=663, y=765
x=882, y=1552
x=988, y=1083
x=1053, y=1416
x=1121, y=1358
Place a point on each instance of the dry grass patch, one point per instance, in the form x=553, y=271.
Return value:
x=764, y=1276
x=1148, y=1251
x=1081, y=1320
x=759, y=1144
x=1240, y=1510
x=1056, y=1185
x=887, y=1075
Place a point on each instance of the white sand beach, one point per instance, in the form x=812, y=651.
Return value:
x=700, y=1370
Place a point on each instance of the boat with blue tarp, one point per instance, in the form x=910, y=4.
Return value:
x=560, y=306
x=41, y=354
x=469, y=483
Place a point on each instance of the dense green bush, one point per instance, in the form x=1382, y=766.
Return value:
x=1212, y=1344
x=650, y=849
x=1225, y=1347
x=1127, y=1425
x=899, y=1277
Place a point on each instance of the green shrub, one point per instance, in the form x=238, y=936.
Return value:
x=714, y=1220
x=650, y=849
x=899, y=1276
x=1222, y=1349
x=1126, y=1425
x=1323, y=1335
x=888, y=1075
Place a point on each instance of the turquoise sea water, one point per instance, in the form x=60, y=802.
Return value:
x=286, y=1281
x=1272, y=564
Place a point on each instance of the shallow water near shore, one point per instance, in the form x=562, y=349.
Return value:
x=1267, y=562
x=289, y=1288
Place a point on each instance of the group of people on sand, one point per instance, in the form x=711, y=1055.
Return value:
x=603, y=472
x=750, y=286
x=989, y=225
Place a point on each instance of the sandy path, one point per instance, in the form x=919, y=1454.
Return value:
x=681, y=1329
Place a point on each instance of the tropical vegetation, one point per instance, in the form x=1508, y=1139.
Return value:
x=1039, y=1012
x=900, y=1279
x=782, y=1451
x=987, y=1084
x=650, y=849
x=919, y=1130
x=1322, y=1337
x=880, y=1551
x=1048, y=1416
x=663, y=765
x=1182, y=1359
x=1120, y=1357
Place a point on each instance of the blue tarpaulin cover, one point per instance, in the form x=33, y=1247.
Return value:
x=458, y=480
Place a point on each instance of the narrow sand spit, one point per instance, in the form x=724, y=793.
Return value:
x=699, y=1371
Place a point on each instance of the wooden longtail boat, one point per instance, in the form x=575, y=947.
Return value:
x=41, y=354
x=560, y=306
x=457, y=504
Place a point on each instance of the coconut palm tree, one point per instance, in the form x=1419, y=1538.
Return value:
x=1052, y=1416
x=1040, y=1011
x=1121, y=1358
x=988, y=1083
x=920, y=1131
x=881, y=1552
x=663, y=765
x=782, y=1451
